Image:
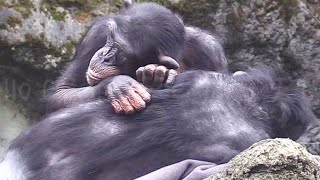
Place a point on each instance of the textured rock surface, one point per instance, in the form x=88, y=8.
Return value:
x=43, y=33
x=310, y=140
x=284, y=34
x=12, y=122
x=272, y=159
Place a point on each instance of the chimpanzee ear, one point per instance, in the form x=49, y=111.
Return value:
x=168, y=62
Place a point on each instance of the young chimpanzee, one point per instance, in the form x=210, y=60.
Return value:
x=146, y=32
x=204, y=116
x=202, y=51
x=143, y=34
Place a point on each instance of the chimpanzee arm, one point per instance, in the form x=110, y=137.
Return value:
x=63, y=96
x=202, y=52
x=125, y=94
x=71, y=86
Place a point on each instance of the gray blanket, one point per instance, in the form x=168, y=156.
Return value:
x=185, y=170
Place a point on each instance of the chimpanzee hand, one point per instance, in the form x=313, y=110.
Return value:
x=126, y=94
x=156, y=76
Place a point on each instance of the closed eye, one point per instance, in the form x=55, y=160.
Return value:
x=106, y=50
x=113, y=51
x=110, y=55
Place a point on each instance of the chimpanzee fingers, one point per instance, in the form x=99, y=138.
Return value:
x=159, y=77
x=169, y=62
x=127, y=95
x=112, y=94
x=156, y=76
x=120, y=102
x=118, y=96
x=148, y=73
x=136, y=101
x=126, y=105
x=139, y=74
x=141, y=91
x=171, y=77
x=116, y=106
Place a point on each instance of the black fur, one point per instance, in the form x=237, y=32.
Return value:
x=202, y=51
x=204, y=115
x=143, y=32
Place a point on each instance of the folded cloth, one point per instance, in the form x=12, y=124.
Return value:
x=185, y=170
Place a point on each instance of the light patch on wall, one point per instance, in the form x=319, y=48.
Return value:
x=12, y=122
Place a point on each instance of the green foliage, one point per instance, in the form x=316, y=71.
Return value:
x=2, y=5
x=31, y=39
x=81, y=4
x=195, y=12
x=25, y=7
x=69, y=46
x=52, y=10
x=80, y=8
x=13, y=21
x=288, y=8
x=65, y=51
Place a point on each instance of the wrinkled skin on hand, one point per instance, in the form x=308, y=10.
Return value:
x=127, y=95
x=156, y=76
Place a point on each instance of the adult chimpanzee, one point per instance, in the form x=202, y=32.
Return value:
x=205, y=116
x=144, y=34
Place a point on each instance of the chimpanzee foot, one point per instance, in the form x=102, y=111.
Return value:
x=127, y=95
x=156, y=76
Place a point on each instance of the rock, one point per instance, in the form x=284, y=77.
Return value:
x=12, y=122
x=275, y=159
x=311, y=139
x=43, y=34
x=279, y=33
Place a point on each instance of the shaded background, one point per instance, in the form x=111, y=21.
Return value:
x=38, y=38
